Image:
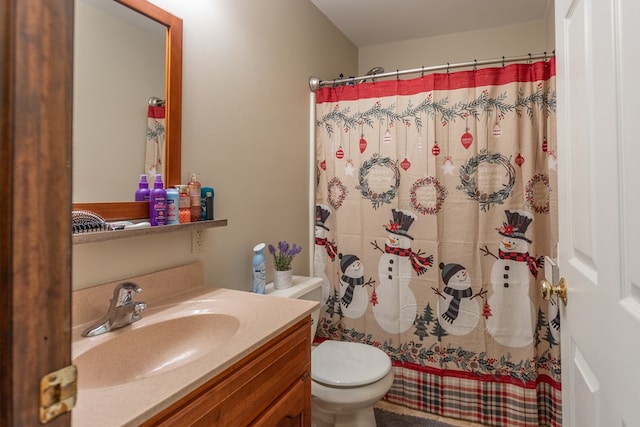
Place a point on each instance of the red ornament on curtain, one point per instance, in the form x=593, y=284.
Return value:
x=519, y=159
x=486, y=311
x=435, y=150
x=363, y=144
x=340, y=153
x=323, y=165
x=405, y=164
x=545, y=145
x=466, y=139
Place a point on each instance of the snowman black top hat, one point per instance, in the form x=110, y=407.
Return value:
x=401, y=222
x=322, y=213
x=516, y=225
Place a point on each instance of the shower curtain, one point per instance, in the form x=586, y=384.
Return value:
x=435, y=206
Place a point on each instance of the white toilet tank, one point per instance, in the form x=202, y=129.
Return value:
x=306, y=288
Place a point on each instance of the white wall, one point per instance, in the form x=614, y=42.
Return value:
x=245, y=130
x=513, y=40
x=550, y=26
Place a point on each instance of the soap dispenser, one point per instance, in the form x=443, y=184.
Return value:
x=158, y=203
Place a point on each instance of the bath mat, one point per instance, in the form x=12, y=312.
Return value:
x=392, y=419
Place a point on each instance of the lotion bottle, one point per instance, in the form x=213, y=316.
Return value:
x=259, y=269
x=173, y=204
x=194, y=194
x=184, y=204
x=158, y=203
x=142, y=193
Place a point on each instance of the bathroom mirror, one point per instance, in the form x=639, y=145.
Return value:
x=96, y=105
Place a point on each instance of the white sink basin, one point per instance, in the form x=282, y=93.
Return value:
x=139, y=351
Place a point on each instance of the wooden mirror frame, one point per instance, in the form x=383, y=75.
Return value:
x=112, y=211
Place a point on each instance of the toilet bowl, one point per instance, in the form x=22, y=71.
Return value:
x=347, y=378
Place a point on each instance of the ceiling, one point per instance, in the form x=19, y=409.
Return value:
x=372, y=22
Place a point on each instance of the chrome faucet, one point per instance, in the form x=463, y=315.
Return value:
x=122, y=311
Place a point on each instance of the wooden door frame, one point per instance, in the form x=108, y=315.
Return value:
x=36, y=88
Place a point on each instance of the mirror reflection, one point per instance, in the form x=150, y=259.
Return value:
x=119, y=64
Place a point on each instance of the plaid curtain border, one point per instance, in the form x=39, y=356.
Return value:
x=493, y=401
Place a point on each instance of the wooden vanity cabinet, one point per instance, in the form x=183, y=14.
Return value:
x=269, y=387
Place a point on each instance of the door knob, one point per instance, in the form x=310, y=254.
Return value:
x=547, y=289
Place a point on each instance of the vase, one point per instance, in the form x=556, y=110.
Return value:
x=282, y=279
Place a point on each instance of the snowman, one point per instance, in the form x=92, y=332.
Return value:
x=323, y=249
x=512, y=313
x=354, y=297
x=457, y=311
x=396, y=307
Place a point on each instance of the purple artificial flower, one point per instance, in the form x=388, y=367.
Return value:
x=284, y=256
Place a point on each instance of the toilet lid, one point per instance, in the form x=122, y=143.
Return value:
x=348, y=364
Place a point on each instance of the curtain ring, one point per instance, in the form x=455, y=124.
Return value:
x=423, y=71
x=475, y=65
x=397, y=74
x=447, y=68
x=529, y=59
x=503, y=62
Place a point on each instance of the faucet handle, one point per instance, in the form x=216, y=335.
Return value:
x=124, y=292
x=138, y=308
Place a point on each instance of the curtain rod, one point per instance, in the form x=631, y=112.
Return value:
x=315, y=83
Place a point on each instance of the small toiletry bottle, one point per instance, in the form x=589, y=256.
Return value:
x=158, y=203
x=194, y=194
x=184, y=204
x=173, y=203
x=206, y=201
x=258, y=263
x=142, y=193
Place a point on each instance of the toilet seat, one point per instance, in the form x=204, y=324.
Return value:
x=348, y=364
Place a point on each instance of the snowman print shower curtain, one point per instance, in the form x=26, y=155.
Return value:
x=435, y=207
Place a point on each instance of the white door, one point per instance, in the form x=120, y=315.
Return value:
x=598, y=83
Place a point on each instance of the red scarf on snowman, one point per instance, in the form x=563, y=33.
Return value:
x=533, y=264
x=330, y=247
x=418, y=262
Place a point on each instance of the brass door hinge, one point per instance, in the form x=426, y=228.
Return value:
x=58, y=393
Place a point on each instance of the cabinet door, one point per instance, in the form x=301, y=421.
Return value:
x=293, y=409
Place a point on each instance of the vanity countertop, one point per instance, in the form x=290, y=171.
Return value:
x=127, y=403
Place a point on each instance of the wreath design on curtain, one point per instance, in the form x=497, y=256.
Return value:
x=337, y=192
x=378, y=198
x=468, y=182
x=441, y=194
x=540, y=207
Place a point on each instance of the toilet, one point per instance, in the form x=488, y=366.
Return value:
x=347, y=378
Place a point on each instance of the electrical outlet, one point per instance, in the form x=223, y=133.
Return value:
x=197, y=241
